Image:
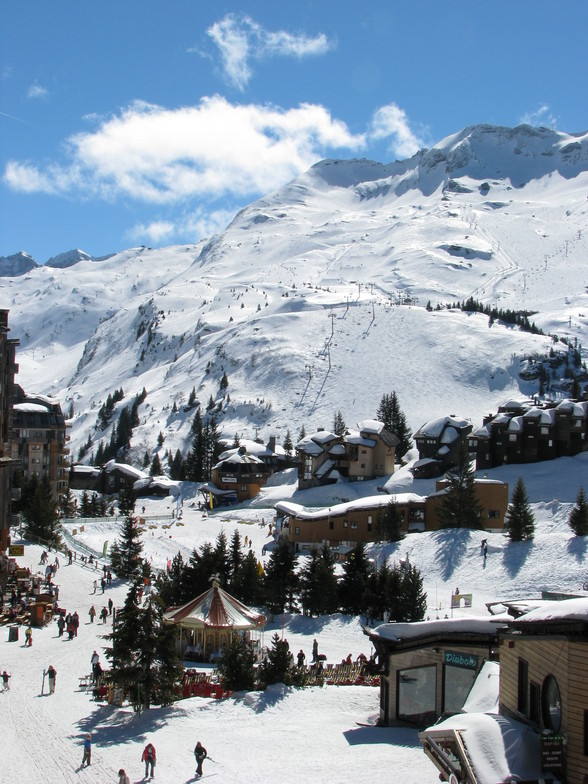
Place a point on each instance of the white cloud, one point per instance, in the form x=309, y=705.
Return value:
x=541, y=117
x=241, y=40
x=36, y=91
x=211, y=150
x=155, y=232
x=189, y=227
x=390, y=121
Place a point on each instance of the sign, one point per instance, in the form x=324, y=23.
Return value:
x=15, y=550
x=552, y=754
x=465, y=660
x=457, y=597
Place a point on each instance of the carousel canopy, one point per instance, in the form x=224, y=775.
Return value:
x=215, y=609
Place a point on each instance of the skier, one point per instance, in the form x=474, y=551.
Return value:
x=87, y=758
x=122, y=777
x=149, y=758
x=52, y=674
x=200, y=754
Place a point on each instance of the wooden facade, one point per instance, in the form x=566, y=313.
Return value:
x=524, y=432
x=344, y=525
x=531, y=654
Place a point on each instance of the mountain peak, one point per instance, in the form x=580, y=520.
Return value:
x=18, y=264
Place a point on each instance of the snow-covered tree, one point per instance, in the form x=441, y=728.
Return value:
x=519, y=522
x=578, y=519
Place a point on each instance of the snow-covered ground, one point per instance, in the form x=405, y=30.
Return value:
x=282, y=735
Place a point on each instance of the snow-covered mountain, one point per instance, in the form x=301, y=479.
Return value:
x=313, y=300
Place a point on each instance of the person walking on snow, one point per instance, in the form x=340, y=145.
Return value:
x=149, y=758
x=5, y=684
x=92, y=613
x=52, y=674
x=28, y=636
x=122, y=777
x=200, y=754
x=87, y=758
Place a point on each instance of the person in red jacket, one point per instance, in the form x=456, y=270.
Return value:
x=149, y=758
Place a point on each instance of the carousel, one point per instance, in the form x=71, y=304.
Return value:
x=207, y=624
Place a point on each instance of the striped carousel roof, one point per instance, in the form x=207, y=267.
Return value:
x=215, y=609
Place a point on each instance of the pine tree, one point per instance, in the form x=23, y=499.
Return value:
x=414, y=599
x=318, y=583
x=281, y=580
x=288, y=445
x=39, y=511
x=125, y=557
x=235, y=554
x=339, y=426
x=237, y=667
x=389, y=525
x=353, y=586
x=578, y=519
x=390, y=414
x=222, y=559
x=126, y=499
x=519, y=522
x=247, y=584
x=460, y=507
x=156, y=469
x=278, y=665
x=301, y=433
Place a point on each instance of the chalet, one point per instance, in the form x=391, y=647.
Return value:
x=342, y=526
x=524, y=432
x=491, y=494
x=367, y=453
x=243, y=470
x=240, y=473
x=438, y=443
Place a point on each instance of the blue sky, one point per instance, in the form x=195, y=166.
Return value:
x=130, y=122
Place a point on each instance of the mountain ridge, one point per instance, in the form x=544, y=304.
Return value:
x=313, y=298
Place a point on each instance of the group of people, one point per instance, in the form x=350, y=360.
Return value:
x=149, y=757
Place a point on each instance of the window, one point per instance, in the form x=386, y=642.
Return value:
x=370, y=522
x=551, y=704
x=456, y=686
x=416, y=695
x=353, y=524
x=307, y=467
x=523, y=686
x=297, y=530
x=331, y=524
x=493, y=514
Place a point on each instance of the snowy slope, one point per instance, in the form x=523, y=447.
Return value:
x=313, y=299
x=281, y=735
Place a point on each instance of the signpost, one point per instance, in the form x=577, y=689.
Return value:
x=552, y=755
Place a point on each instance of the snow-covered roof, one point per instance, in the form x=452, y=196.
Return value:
x=236, y=457
x=397, y=632
x=435, y=427
x=369, y=502
x=546, y=416
x=31, y=408
x=499, y=748
x=449, y=435
x=564, y=610
x=215, y=609
x=324, y=469
x=370, y=426
x=125, y=469
x=358, y=440
x=338, y=450
x=516, y=424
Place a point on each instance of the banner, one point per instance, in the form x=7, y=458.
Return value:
x=457, y=597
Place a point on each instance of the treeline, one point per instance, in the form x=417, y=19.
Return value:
x=518, y=318
x=313, y=589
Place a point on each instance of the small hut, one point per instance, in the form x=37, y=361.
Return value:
x=207, y=624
